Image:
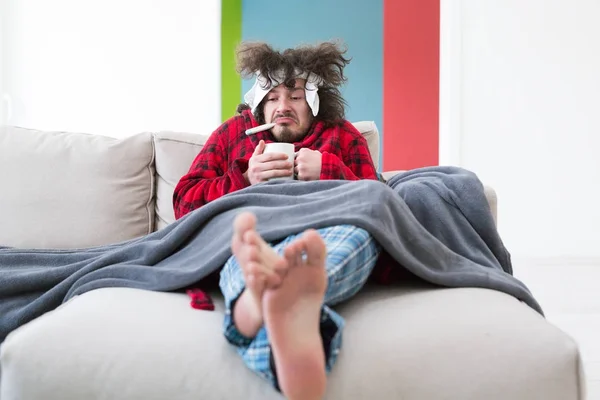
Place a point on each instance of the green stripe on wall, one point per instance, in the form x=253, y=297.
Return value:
x=231, y=35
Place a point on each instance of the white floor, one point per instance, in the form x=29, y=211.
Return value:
x=569, y=292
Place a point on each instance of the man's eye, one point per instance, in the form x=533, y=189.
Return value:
x=272, y=99
x=296, y=98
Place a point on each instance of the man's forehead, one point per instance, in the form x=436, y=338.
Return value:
x=297, y=84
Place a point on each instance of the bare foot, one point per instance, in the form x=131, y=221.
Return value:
x=262, y=268
x=292, y=314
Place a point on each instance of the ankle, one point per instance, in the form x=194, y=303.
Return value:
x=247, y=315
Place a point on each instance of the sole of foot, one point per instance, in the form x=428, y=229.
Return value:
x=292, y=315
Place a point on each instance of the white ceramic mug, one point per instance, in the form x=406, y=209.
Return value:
x=285, y=148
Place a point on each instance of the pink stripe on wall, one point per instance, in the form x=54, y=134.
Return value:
x=411, y=31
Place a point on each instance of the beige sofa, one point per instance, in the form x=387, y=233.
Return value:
x=410, y=341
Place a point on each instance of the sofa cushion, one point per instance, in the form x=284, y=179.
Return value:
x=409, y=342
x=371, y=134
x=69, y=190
x=175, y=152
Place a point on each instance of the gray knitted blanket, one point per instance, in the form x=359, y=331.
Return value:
x=434, y=221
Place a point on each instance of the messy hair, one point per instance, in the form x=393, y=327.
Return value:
x=325, y=59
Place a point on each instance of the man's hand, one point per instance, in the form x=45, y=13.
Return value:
x=308, y=165
x=262, y=167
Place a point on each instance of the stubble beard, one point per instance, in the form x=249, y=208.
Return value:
x=286, y=135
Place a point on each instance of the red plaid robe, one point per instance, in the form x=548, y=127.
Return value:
x=218, y=169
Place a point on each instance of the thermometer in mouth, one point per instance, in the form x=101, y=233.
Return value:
x=260, y=128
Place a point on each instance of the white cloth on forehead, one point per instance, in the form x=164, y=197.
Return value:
x=261, y=87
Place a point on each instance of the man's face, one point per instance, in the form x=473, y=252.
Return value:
x=287, y=107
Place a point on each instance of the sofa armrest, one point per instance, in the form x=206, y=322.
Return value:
x=490, y=194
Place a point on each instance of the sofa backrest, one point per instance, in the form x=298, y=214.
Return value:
x=69, y=190
x=72, y=190
x=175, y=152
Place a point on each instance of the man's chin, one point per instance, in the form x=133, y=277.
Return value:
x=285, y=134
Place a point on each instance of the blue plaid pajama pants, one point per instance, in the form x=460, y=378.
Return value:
x=351, y=255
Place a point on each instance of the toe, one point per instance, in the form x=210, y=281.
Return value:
x=244, y=222
x=293, y=253
x=314, y=247
x=252, y=238
x=281, y=266
x=273, y=281
x=250, y=254
x=256, y=282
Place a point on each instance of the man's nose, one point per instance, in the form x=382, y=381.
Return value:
x=283, y=105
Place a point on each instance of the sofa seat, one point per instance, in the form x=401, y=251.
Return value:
x=410, y=341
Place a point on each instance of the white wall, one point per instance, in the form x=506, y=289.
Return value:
x=113, y=67
x=520, y=94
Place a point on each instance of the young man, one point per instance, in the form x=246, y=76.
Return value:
x=278, y=295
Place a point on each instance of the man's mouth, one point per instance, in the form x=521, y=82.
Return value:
x=284, y=120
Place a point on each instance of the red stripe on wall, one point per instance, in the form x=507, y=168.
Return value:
x=411, y=42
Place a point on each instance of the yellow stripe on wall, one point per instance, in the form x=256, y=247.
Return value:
x=231, y=35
